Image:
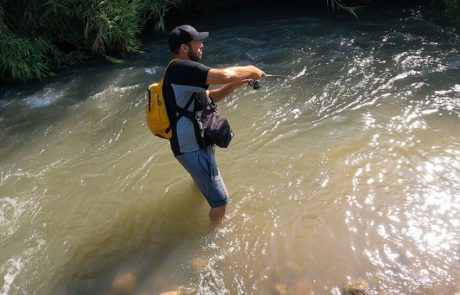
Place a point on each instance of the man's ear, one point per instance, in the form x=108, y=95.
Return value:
x=184, y=47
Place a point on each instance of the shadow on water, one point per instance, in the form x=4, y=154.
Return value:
x=137, y=249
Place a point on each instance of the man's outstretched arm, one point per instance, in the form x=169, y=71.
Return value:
x=233, y=74
x=233, y=77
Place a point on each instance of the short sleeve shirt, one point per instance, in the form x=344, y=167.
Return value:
x=184, y=79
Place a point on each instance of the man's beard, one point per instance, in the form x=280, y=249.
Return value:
x=194, y=56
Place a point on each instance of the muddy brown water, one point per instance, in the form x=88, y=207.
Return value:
x=348, y=169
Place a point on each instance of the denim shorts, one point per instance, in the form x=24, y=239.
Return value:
x=202, y=166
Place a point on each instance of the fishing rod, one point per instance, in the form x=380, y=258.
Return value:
x=255, y=83
x=277, y=76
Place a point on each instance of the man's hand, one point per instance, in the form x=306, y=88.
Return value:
x=221, y=93
x=256, y=73
x=241, y=83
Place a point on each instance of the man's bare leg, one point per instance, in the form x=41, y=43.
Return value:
x=216, y=214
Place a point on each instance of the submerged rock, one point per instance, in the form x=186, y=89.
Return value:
x=356, y=287
x=124, y=283
x=301, y=288
x=281, y=289
x=199, y=263
x=294, y=288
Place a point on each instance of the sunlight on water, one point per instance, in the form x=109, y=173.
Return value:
x=347, y=169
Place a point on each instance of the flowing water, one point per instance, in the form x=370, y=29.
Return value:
x=349, y=169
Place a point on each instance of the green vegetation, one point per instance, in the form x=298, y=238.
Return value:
x=26, y=59
x=447, y=11
x=336, y=4
x=38, y=36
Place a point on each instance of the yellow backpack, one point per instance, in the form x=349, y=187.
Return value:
x=155, y=111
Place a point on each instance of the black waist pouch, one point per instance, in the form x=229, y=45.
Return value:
x=215, y=128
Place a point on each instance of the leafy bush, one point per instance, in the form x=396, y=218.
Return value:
x=35, y=33
x=450, y=11
x=27, y=59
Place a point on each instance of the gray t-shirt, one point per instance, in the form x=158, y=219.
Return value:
x=183, y=80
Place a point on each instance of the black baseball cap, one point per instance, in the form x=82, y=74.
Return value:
x=184, y=34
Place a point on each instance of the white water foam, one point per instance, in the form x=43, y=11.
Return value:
x=14, y=266
x=44, y=98
x=10, y=211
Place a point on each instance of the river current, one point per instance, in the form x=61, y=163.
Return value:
x=347, y=170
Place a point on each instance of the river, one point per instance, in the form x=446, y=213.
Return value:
x=348, y=169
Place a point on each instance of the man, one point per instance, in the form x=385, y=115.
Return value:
x=185, y=88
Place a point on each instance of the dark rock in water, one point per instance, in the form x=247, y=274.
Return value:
x=124, y=283
x=356, y=287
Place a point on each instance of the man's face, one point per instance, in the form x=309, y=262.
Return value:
x=195, y=51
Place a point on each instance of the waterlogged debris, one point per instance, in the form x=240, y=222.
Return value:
x=356, y=287
x=124, y=283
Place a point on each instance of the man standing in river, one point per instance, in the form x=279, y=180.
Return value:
x=185, y=86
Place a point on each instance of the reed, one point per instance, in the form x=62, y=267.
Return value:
x=26, y=59
x=336, y=4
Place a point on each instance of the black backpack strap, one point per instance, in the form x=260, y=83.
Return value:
x=149, y=99
x=191, y=116
x=184, y=111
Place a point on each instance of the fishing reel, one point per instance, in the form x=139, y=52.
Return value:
x=254, y=84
